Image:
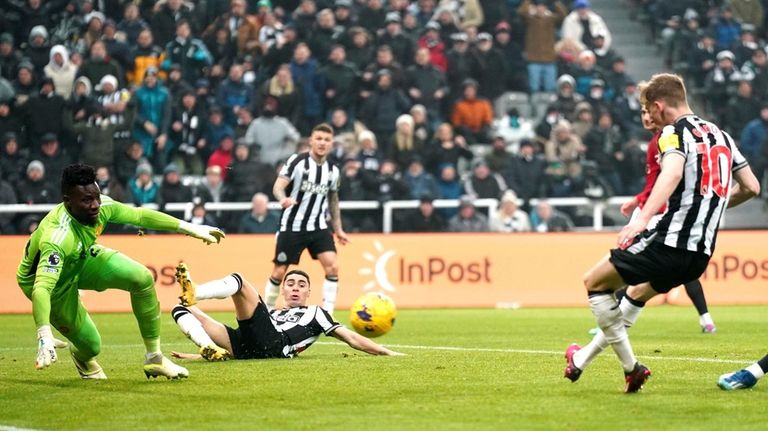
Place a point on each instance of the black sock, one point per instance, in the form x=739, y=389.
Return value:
x=620, y=293
x=763, y=364
x=179, y=311
x=696, y=293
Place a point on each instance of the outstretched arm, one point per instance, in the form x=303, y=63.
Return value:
x=357, y=341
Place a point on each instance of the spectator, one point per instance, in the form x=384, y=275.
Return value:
x=585, y=119
x=424, y=218
x=373, y=15
x=188, y=52
x=748, y=12
x=583, y=24
x=509, y=217
x=35, y=188
x=721, y=83
x=627, y=108
x=283, y=88
x=567, y=98
x=233, y=94
x=404, y=144
x=725, y=28
x=597, y=97
x=132, y=25
x=446, y=148
x=702, y=58
x=53, y=157
x=745, y=46
x=468, y=219
x=361, y=51
x=385, y=61
x=61, y=71
x=247, y=175
x=143, y=188
x=514, y=62
x=604, y=147
x=547, y=219
x=369, y=155
x=616, y=77
x=116, y=48
x=216, y=129
x=7, y=197
x=401, y=46
x=167, y=17
x=482, y=183
x=449, y=23
x=223, y=52
x=94, y=28
x=271, y=32
x=200, y=216
x=259, y=219
x=324, y=35
x=426, y=84
x=145, y=54
x=223, y=155
x=125, y=166
x=187, y=135
x=25, y=84
x=172, y=189
x=526, y=173
x=450, y=188
x=422, y=129
x=586, y=72
x=499, y=159
x=472, y=116
x=275, y=136
x=489, y=66
x=346, y=131
x=418, y=181
x=353, y=187
x=752, y=140
x=541, y=25
x=153, y=118
x=38, y=47
x=13, y=159
x=110, y=186
x=98, y=65
x=568, y=51
x=306, y=73
x=741, y=108
x=563, y=145
x=341, y=80
x=210, y=188
x=460, y=63
x=436, y=48
x=468, y=12
x=281, y=52
x=756, y=71
x=43, y=114
x=10, y=57
x=381, y=109
x=513, y=128
x=118, y=107
x=242, y=28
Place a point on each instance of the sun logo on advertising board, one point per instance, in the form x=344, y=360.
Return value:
x=379, y=261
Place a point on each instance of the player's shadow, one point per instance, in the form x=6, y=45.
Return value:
x=110, y=385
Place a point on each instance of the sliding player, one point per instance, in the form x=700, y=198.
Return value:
x=62, y=257
x=261, y=332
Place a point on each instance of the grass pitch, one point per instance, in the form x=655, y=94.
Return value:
x=465, y=370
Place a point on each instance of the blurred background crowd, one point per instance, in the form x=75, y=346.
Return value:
x=202, y=101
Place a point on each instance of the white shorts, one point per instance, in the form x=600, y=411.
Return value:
x=651, y=223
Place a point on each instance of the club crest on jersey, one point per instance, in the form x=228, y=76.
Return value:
x=317, y=189
x=54, y=258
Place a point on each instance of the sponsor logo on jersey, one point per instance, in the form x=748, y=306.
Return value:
x=318, y=189
x=54, y=259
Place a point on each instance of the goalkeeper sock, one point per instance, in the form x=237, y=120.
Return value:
x=146, y=309
x=190, y=326
x=330, y=287
x=152, y=345
x=609, y=318
x=221, y=288
x=271, y=290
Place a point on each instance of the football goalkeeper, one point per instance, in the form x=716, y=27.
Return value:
x=62, y=256
x=261, y=333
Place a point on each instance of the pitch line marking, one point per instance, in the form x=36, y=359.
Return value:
x=443, y=348
x=13, y=428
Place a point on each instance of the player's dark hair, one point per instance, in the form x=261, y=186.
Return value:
x=76, y=175
x=297, y=271
x=322, y=127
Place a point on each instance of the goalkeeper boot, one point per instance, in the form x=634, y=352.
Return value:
x=742, y=379
x=156, y=365
x=214, y=353
x=188, y=287
x=572, y=372
x=89, y=369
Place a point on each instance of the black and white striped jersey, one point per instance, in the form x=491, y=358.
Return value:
x=310, y=184
x=695, y=207
x=302, y=326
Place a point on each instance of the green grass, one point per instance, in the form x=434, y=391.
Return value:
x=508, y=377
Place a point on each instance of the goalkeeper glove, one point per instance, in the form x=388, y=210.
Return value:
x=208, y=234
x=46, y=350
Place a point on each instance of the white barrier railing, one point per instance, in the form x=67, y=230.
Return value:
x=388, y=208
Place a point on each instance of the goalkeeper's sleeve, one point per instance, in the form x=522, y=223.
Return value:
x=143, y=217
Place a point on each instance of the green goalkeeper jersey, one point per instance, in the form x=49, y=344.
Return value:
x=57, y=250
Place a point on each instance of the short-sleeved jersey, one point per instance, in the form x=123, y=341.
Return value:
x=57, y=249
x=309, y=187
x=695, y=207
x=302, y=326
x=652, y=169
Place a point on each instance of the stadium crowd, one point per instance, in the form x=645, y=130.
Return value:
x=202, y=101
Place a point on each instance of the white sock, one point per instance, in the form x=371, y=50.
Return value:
x=756, y=370
x=584, y=357
x=191, y=327
x=609, y=318
x=330, y=287
x=271, y=291
x=219, y=289
x=705, y=319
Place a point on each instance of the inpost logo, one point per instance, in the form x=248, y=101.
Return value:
x=422, y=269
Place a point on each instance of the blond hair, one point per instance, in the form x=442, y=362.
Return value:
x=667, y=87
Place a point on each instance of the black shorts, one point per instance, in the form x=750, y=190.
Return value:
x=257, y=338
x=663, y=266
x=290, y=245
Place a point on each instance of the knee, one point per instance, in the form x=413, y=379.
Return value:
x=144, y=280
x=279, y=272
x=87, y=346
x=588, y=280
x=331, y=270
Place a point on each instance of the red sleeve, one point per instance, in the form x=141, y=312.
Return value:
x=652, y=169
